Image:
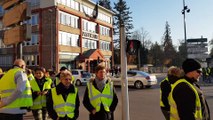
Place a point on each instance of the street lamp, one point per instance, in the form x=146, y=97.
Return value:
x=185, y=9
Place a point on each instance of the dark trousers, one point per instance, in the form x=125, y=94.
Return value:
x=40, y=114
x=4, y=116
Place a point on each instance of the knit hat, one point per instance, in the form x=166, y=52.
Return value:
x=63, y=68
x=190, y=65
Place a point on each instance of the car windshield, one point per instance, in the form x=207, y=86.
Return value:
x=85, y=74
x=74, y=72
x=141, y=73
x=131, y=73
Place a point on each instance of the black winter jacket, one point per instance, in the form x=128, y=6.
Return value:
x=184, y=98
x=60, y=89
x=102, y=114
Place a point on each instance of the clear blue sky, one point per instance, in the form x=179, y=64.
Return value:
x=153, y=14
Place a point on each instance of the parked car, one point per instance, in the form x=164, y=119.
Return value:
x=138, y=79
x=81, y=77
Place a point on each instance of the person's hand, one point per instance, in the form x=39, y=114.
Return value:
x=39, y=93
x=1, y=104
x=93, y=112
x=44, y=92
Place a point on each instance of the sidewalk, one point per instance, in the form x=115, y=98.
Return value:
x=205, y=83
x=201, y=83
x=29, y=116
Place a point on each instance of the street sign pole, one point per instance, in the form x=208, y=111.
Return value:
x=124, y=83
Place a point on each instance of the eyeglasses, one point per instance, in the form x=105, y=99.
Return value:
x=199, y=71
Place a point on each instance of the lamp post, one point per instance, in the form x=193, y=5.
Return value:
x=185, y=9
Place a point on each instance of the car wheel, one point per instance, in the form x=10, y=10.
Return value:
x=138, y=85
x=78, y=82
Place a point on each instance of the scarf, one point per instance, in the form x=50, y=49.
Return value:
x=100, y=83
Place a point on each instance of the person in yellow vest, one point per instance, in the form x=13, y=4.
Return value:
x=173, y=74
x=63, y=100
x=186, y=98
x=30, y=75
x=40, y=86
x=16, y=95
x=100, y=98
x=57, y=77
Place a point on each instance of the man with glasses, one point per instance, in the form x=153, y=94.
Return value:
x=63, y=100
x=186, y=99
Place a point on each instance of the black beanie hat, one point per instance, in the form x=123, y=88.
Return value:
x=63, y=68
x=190, y=65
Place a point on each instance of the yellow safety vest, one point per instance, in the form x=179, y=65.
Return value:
x=173, y=107
x=40, y=101
x=62, y=107
x=8, y=86
x=30, y=77
x=161, y=102
x=97, y=98
x=57, y=81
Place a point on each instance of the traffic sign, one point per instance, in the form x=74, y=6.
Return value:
x=15, y=15
x=17, y=12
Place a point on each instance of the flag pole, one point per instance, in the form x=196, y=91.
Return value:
x=124, y=83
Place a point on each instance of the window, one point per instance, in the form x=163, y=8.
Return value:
x=89, y=26
x=34, y=19
x=104, y=18
x=91, y=44
x=70, y=3
x=31, y=60
x=104, y=45
x=1, y=11
x=104, y=30
x=68, y=19
x=68, y=39
x=6, y=60
x=33, y=41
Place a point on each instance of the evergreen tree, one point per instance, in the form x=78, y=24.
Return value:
x=105, y=4
x=122, y=13
x=155, y=55
x=169, y=50
x=182, y=52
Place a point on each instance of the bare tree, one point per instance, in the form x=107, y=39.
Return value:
x=143, y=36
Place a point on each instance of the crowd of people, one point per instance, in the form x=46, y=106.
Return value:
x=47, y=94
x=181, y=97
